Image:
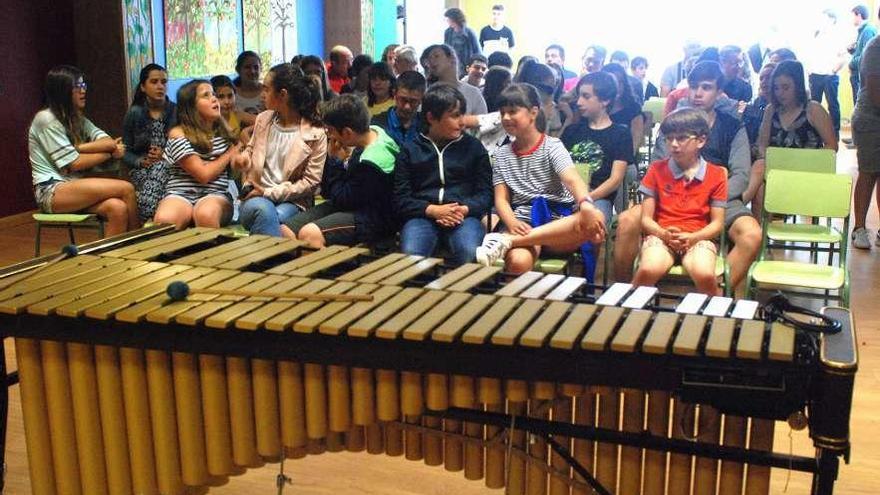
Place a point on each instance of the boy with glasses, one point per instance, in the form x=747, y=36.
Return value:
x=684, y=205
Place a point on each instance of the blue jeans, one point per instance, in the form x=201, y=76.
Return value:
x=827, y=84
x=420, y=236
x=261, y=216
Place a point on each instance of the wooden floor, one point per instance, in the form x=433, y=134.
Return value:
x=347, y=473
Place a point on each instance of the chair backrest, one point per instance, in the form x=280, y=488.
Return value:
x=807, y=193
x=654, y=106
x=821, y=161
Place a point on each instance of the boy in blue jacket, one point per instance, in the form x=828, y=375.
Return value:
x=358, y=190
x=443, y=182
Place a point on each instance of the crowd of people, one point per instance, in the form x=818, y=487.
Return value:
x=459, y=152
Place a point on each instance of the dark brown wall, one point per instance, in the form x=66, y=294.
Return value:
x=36, y=35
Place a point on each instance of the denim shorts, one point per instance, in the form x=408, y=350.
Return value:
x=44, y=193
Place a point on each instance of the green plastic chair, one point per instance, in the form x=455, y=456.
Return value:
x=69, y=221
x=652, y=109
x=808, y=194
x=783, y=235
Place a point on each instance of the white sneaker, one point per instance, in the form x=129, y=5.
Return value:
x=495, y=246
x=860, y=238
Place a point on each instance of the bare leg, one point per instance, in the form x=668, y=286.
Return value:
x=82, y=194
x=521, y=259
x=862, y=197
x=745, y=233
x=700, y=265
x=655, y=261
x=312, y=234
x=564, y=234
x=626, y=242
x=174, y=210
x=287, y=233
x=212, y=211
x=115, y=212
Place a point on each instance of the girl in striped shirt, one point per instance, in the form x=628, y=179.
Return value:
x=199, y=150
x=535, y=166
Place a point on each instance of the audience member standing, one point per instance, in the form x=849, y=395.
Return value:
x=63, y=143
x=341, y=59
x=144, y=132
x=441, y=65
x=824, y=59
x=866, y=136
x=496, y=37
x=461, y=38
x=866, y=33
x=476, y=70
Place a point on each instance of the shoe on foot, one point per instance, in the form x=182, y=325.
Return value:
x=860, y=238
x=495, y=246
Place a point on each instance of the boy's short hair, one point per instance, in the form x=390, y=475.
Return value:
x=411, y=81
x=692, y=121
x=783, y=54
x=638, y=62
x=706, y=70
x=498, y=6
x=499, y=58
x=604, y=85
x=441, y=98
x=222, y=81
x=346, y=111
x=477, y=57
x=862, y=11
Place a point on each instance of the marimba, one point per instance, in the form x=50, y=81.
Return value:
x=126, y=391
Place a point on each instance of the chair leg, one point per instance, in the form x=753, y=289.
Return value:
x=70, y=235
x=37, y=240
x=100, y=228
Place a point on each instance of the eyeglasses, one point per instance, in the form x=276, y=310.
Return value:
x=82, y=85
x=679, y=139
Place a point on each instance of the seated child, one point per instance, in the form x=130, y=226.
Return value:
x=443, y=182
x=199, y=149
x=683, y=210
x=358, y=191
x=535, y=167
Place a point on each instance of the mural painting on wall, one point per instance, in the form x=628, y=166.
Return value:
x=138, y=38
x=368, y=38
x=200, y=37
x=270, y=29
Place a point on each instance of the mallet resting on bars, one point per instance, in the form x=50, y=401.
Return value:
x=178, y=291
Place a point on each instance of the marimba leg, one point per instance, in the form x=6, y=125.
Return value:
x=34, y=407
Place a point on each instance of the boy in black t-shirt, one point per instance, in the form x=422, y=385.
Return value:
x=496, y=37
x=595, y=140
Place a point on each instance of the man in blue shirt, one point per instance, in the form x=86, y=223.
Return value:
x=866, y=33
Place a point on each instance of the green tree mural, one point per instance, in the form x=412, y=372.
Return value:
x=258, y=27
x=138, y=38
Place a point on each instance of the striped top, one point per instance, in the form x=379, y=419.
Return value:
x=50, y=149
x=535, y=173
x=179, y=181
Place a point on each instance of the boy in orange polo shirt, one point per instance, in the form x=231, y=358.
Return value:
x=683, y=210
